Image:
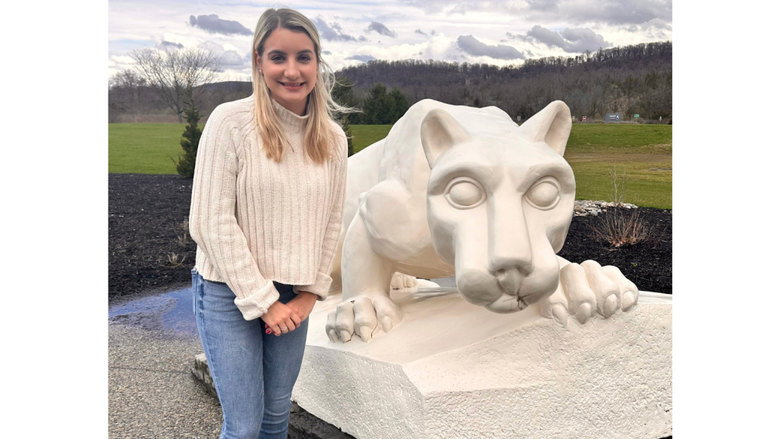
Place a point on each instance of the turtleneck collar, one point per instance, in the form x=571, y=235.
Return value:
x=289, y=118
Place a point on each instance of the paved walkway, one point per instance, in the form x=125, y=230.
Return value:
x=151, y=391
x=152, y=343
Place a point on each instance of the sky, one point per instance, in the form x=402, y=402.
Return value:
x=353, y=32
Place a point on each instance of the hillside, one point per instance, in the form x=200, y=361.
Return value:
x=629, y=80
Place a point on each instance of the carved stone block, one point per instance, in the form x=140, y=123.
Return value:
x=453, y=370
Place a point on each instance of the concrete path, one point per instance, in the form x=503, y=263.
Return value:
x=152, y=393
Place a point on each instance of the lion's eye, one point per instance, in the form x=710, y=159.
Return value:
x=544, y=195
x=464, y=194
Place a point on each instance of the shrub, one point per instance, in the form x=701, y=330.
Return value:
x=620, y=229
x=616, y=227
x=185, y=166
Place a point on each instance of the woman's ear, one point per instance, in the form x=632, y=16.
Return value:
x=258, y=61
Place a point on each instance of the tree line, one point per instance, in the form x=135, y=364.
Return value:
x=634, y=79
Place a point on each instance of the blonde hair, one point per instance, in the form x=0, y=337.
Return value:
x=320, y=137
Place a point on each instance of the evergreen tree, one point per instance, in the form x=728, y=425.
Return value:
x=347, y=132
x=398, y=105
x=376, y=106
x=189, y=141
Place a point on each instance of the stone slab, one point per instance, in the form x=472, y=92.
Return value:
x=455, y=370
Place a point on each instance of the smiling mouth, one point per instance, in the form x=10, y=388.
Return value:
x=292, y=84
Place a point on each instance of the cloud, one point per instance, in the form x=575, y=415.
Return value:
x=381, y=29
x=651, y=25
x=613, y=12
x=228, y=59
x=362, y=58
x=570, y=40
x=168, y=44
x=543, y=5
x=474, y=47
x=465, y=7
x=215, y=25
x=418, y=31
x=523, y=38
x=331, y=32
x=231, y=58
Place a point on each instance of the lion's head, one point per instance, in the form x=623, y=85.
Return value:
x=500, y=211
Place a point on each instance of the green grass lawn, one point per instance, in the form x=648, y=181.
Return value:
x=144, y=148
x=643, y=151
x=364, y=135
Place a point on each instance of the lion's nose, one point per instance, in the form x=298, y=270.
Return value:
x=510, y=279
x=511, y=255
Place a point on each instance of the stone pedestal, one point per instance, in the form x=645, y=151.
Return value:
x=455, y=370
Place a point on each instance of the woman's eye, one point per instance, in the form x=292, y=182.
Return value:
x=465, y=194
x=544, y=195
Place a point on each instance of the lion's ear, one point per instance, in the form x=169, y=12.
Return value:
x=552, y=125
x=439, y=132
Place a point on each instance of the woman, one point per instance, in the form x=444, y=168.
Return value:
x=267, y=201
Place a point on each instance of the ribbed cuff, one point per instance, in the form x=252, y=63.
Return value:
x=320, y=287
x=257, y=304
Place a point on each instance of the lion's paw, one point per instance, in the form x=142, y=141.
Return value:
x=588, y=289
x=402, y=281
x=362, y=316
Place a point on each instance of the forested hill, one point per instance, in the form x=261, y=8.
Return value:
x=630, y=80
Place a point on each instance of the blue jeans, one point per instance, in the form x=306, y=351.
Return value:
x=253, y=372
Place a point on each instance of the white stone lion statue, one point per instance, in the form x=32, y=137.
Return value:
x=466, y=192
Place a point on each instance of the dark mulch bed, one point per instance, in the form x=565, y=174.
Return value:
x=147, y=216
x=148, y=249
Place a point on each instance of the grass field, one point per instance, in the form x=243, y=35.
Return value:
x=144, y=148
x=644, y=152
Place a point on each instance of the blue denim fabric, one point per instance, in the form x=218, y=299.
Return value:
x=253, y=372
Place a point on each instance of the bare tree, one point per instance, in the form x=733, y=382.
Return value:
x=124, y=90
x=174, y=74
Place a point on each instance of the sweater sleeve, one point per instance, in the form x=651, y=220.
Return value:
x=321, y=285
x=213, y=223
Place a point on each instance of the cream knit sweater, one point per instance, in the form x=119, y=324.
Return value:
x=255, y=220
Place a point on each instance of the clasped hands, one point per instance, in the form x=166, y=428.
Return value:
x=283, y=318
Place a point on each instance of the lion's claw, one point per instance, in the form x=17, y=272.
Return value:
x=588, y=288
x=361, y=316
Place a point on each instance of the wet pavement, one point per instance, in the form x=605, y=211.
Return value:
x=170, y=311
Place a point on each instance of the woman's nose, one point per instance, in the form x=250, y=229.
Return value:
x=291, y=69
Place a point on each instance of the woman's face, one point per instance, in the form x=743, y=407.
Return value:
x=289, y=66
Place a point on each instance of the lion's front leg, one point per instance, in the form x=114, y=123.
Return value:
x=587, y=289
x=365, y=290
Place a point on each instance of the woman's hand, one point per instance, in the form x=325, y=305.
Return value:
x=302, y=304
x=280, y=319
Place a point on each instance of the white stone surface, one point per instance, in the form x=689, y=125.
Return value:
x=453, y=370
